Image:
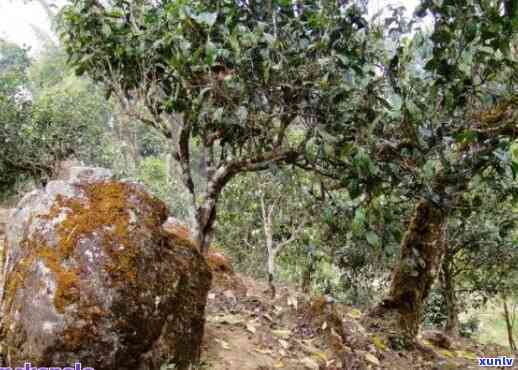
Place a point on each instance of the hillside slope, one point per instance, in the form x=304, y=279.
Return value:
x=247, y=330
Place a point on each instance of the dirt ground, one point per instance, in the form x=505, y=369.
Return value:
x=248, y=330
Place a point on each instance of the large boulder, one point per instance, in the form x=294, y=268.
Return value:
x=90, y=276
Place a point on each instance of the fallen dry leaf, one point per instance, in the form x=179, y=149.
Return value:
x=282, y=333
x=372, y=359
x=379, y=343
x=324, y=325
x=224, y=344
x=226, y=319
x=250, y=327
x=309, y=363
x=354, y=313
x=321, y=355
x=263, y=351
x=467, y=355
x=268, y=317
x=279, y=365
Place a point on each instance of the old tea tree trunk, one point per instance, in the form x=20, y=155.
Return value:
x=421, y=251
x=448, y=287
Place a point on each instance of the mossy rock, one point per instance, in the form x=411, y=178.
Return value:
x=91, y=276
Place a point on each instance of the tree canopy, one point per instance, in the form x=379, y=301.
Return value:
x=253, y=84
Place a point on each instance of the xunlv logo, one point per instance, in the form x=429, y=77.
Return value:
x=495, y=361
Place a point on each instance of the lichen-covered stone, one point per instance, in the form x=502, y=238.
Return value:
x=90, y=275
x=223, y=275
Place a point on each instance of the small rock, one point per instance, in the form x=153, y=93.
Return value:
x=437, y=338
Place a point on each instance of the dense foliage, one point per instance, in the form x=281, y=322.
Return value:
x=47, y=115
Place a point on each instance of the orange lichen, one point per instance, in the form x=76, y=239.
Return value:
x=179, y=232
x=14, y=281
x=219, y=263
x=223, y=275
x=67, y=280
x=67, y=289
x=73, y=338
x=105, y=211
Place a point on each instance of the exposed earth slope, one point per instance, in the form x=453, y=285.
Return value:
x=247, y=330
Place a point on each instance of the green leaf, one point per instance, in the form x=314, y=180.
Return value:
x=354, y=188
x=106, y=30
x=210, y=53
x=242, y=113
x=359, y=216
x=429, y=168
x=218, y=115
x=206, y=18
x=467, y=136
x=397, y=103
x=372, y=238
x=514, y=169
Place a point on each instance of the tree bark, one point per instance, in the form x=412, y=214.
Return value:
x=205, y=216
x=421, y=251
x=308, y=276
x=271, y=251
x=127, y=140
x=271, y=274
x=450, y=298
x=270, y=248
x=509, y=325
